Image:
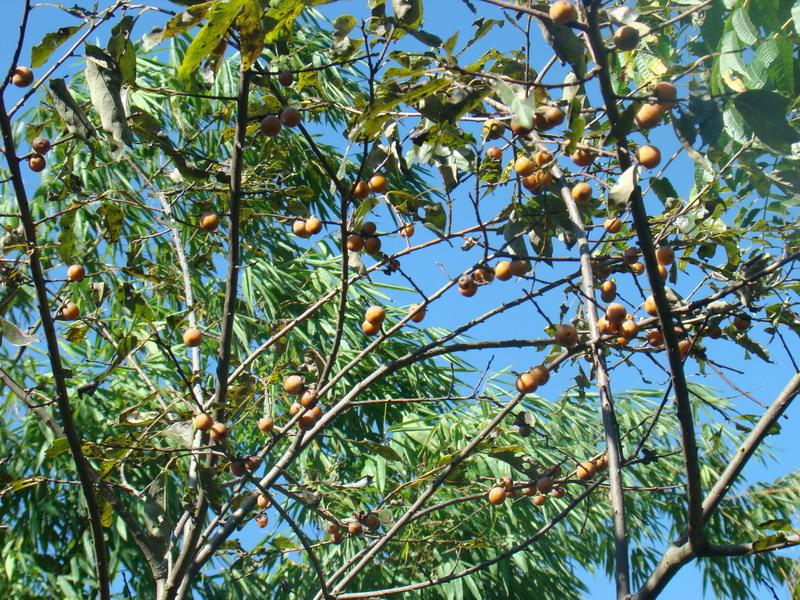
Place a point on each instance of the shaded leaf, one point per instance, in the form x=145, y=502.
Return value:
x=765, y=113
x=50, y=43
x=69, y=110
x=14, y=335
x=105, y=84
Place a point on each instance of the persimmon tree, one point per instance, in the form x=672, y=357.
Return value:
x=233, y=232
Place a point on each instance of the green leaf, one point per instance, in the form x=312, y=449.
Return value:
x=765, y=113
x=181, y=22
x=663, y=188
x=776, y=525
x=220, y=18
x=568, y=47
x=744, y=27
x=521, y=107
x=50, y=43
x=57, y=446
x=122, y=50
x=796, y=16
x=104, y=79
x=113, y=217
x=381, y=450
x=14, y=335
x=343, y=25
x=69, y=110
x=250, y=32
x=408, y=12
x=768, y=542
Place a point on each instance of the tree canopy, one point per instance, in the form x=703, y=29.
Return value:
x=324, y=305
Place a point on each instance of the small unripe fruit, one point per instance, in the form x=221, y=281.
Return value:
x=503, y=270
x=37, y=163
x=683, y=347
x=368, y=228
x=508, y=483
x=648, y=156
x=637, y=268
x=582, y=192
x=251, y=462
x=497, y=495
x=655, y=338
x=562, y=12
x=466, y=281
x=375, y=314
x=524, y=166
x=539, y=500
x=370, y=328
x=295, y=409
x=554, y=116
x=566, y=336
x=417, y=313
x=270, y=126
x=526, y=383
x=219, y=431
x=742, y=322
x=714, y=332
x=609, y=286
x=41, y=145
x=309, y=399
x=519, y=130
x=371, y=521
x=494, y=153
x=407, y=230
x=310, y=418
x=483, y=275
x=544, y=485
x=313, y=225
x=354, y=528
x=299, y=228
x=372, y=245
x=493, y=129
x=378, y=184
x=468, y=292
x=22, y=77
x=293, y=385
x=585, y=470
x=192, y=337
x=666, y=95
x=541, y=374
x=519, y=267
x=209, y=221
x=582, y=157
x=558, y=492
x=650, y=306
x=665, y=255
x=202, y=422
x=616, y=312
x=543, y=157
x=237, y=468
x=262, y=501
x=629, y=329
x=360, y=190
x=612, y=225
x=262, y=521
x=290, y=117
x=285, y=78
x=648, y=116
x=265, y=424
x=602, y=462
x=662, y=271
x=76, y=273
x=355, y=243
x=529, y=491
x=626, y=38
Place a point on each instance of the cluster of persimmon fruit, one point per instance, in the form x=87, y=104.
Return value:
x=549, y=484
x=360, y=521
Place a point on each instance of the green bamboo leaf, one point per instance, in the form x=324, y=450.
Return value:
x=408, y=12
x=744, y=27
x=178, y=24
x=50, y=43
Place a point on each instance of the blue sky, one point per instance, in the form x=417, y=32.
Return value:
x=444, y=18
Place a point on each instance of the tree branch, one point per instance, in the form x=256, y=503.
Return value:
x=642, y=226
x=62, y=395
